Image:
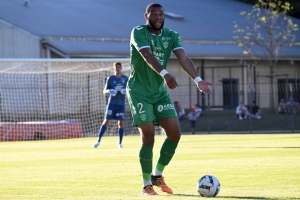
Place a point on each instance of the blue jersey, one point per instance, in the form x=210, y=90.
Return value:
x=116, y=83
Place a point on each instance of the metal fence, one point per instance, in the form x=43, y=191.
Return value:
x=50, y=90
x=219, y=108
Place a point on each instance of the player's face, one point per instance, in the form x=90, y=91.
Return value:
x=118, y=69
x=156, y=18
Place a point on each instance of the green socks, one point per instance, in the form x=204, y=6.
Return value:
x=146, y=155
x=166, y=154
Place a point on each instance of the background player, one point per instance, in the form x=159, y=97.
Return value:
x=116, y=87
x=151, y=46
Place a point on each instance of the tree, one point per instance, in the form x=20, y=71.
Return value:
x=268, y=32
x=295, y=4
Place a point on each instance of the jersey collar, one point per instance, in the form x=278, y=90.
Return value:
x=158, y=34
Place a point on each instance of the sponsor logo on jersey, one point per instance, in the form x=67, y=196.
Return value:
x=157, y=48
x=118, y=88
x=166, y=38
x=158, y=54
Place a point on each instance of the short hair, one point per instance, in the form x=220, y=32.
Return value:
x=153, y=5
x=117, y=63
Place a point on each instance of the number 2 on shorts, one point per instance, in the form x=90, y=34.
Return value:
x=140, y=105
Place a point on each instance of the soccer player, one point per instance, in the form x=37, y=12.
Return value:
x=151, y=46
x=116, y=88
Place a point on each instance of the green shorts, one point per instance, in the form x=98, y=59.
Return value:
x=150, y=109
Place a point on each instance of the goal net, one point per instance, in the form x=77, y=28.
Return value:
x=56, y=98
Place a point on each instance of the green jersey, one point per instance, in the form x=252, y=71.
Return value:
x=143, y=79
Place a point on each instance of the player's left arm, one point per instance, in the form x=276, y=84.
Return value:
x=188, y=66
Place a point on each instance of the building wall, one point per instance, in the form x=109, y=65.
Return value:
x=214, y=71
x=16, y=43
x=39, y=87
x=283, y=70
x=253, y=81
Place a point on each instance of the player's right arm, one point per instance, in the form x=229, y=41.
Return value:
x=107, y=88
x=156, y=66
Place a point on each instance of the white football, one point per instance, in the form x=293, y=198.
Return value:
x=208, y=186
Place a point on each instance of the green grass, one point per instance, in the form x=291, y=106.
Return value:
x=249, y=166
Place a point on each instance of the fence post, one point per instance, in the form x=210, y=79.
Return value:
x=208, y=111
x=250, y=99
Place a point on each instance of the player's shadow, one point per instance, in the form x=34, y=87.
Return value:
x=233, y=197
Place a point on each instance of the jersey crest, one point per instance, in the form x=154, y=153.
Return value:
x=166, y=44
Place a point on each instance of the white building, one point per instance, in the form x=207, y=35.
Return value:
x=101, y=29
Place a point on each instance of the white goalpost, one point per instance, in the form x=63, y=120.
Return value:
x=56, y=98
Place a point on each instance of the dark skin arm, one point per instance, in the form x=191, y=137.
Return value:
x=184, y=61
x=189, y=67
x=156, y=66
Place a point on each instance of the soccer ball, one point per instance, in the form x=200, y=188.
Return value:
x=208, y=186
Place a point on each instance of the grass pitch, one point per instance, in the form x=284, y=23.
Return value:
x=249, y=166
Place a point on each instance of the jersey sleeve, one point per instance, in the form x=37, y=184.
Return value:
x=107, y=84
x=138, y=38
x=177, y=42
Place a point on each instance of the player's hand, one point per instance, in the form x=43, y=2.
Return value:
x=123, y=91
x=112, y=92
x=170, y=81
x=203, y=86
